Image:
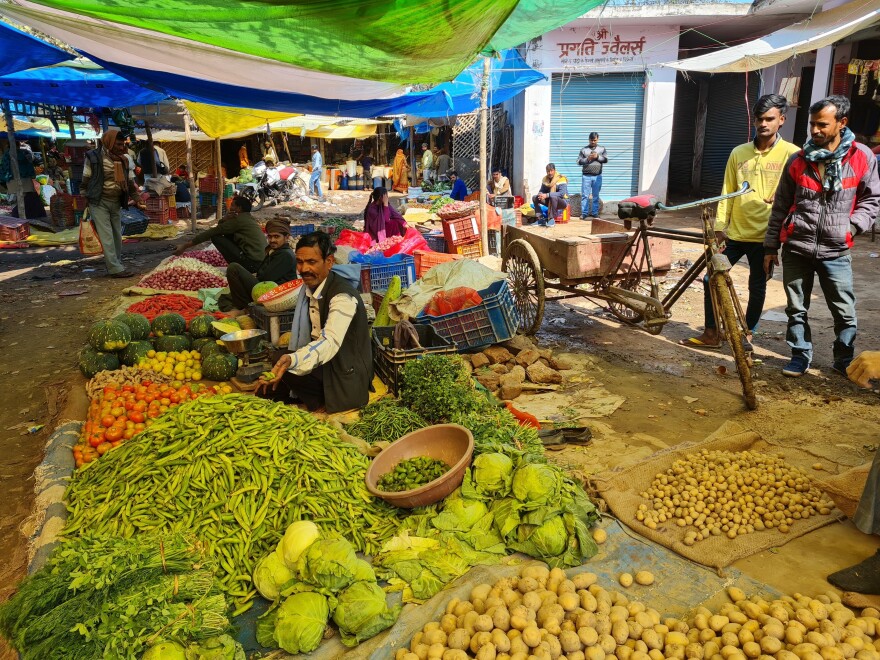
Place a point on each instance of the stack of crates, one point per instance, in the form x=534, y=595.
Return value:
x=67, y=210
x=14, y=229
x=463, y=237
x=157, y=211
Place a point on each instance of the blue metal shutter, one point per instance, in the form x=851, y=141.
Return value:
x=728, y=124
x=613, y=106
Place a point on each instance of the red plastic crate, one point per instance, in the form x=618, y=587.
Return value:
x=426, y=260
x=182, y=212
x=460, y=230
x=157, y=204
x=172, y=213
x=158, y=217
x=208, y=184
x=472, y=250
x=14, y=229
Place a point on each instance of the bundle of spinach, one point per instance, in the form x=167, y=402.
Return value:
x=385, y=420
x=101, y=597
x=439, y=389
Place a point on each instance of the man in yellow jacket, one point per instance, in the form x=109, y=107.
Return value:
x=741, y=222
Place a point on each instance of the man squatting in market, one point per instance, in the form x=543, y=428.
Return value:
x=329, y=362
x=237, y=236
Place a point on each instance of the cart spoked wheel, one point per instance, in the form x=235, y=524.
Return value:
x=526, y=281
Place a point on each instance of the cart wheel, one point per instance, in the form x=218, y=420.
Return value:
x=734, y=334
x=526, y=284
x=630, y=282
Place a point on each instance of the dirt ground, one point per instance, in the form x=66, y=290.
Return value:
x=639, y=393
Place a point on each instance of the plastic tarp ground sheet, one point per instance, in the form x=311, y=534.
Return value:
x=400, y=42
x=75, y=85
x=23, y=51
x=821, y=30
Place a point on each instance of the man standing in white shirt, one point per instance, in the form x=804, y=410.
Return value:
x=330, y=364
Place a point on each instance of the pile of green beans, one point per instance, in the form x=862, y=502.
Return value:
x=235, y=471
x=385, y=420
x=412, y=473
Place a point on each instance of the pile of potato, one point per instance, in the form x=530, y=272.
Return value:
x=542, y=615
x=732, y=493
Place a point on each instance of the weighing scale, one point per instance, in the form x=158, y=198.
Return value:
x=252, y=351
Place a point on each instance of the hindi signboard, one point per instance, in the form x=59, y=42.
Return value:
x=591, y=47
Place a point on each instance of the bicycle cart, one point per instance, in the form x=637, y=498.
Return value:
x=609, y=262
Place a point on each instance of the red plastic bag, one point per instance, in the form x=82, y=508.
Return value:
x=454, y=300
x=412, y=241
x=360, y=241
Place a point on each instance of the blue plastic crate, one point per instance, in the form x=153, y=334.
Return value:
x=437, y=242
x=380, y=275
x=301, y=230
x=492, y=321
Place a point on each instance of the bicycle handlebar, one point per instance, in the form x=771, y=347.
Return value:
x=711, y=200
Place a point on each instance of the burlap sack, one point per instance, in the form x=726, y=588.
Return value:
x=621, y=490
x=846, y=488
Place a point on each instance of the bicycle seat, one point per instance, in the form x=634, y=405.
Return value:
x=641, y=207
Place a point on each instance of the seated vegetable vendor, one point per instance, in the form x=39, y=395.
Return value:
x=237, y=236
x=499, y=186
x=459, y=189
x=553, y=194
x=331, y=361
x=279, y=266
x=382, y=220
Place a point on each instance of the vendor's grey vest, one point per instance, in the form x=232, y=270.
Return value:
x=348, y=375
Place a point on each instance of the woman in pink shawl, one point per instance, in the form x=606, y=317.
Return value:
x=380, y=219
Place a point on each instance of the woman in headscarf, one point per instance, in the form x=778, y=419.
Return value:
x=106, y=184
x=380, y=219
x=278, y=266
x=400, y=173
x=243, y=159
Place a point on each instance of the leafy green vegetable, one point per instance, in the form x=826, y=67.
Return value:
x=544, y=541
x=222, y=647
x=492, y=474
x=270, y=575
x=362, y=612
x=165, y=651
x=300, y=622
x=536, y=484
x=297, y=538
x=460, y=515
x=438, y=388
x=331, y=564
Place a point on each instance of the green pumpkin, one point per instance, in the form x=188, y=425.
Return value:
x=137, y=323
x=134, y=352
x=109, y=336
x=91, y=361
x=219, y=367
x=168, y=324
x=198, y=344
x=200, y=326
x=171, y=343
x=212, y=348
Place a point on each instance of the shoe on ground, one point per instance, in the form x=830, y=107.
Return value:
x=840, y=366
x=863, y=578
x=123, y=274
x=796, y=368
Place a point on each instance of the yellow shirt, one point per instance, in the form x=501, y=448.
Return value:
x=745, y=218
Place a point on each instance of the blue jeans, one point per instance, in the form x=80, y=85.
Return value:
x=734, y=251
x=315, y=184
x=590, y=184
x=836, y=280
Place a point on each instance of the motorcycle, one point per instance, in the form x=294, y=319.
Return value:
x=275, y=184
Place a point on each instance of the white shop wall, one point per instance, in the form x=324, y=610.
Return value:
x=587, y=48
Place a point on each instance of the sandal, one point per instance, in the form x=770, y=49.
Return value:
x=696, y=342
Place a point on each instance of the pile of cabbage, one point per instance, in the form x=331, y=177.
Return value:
x=503, y=505
x=312, y=579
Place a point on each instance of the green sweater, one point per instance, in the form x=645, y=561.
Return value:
x=242, y=229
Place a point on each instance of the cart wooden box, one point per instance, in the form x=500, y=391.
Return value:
x=585, y=250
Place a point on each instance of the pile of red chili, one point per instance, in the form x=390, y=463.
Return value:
x=187, y=306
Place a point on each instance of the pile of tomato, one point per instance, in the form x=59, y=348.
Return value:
x=120, y=412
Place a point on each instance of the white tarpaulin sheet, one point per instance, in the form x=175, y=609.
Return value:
x=823, y=29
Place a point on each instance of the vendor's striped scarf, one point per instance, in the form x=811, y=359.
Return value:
x=831, y=159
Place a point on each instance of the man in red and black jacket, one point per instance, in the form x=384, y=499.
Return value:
x=829, y=193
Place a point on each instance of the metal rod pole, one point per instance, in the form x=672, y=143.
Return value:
x=152, y=151
x=220, y=180
x=70, y=126
x=189, y=168
x=484, y=174
x=13, y=160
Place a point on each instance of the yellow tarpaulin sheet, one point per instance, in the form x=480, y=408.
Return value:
x=217, y=121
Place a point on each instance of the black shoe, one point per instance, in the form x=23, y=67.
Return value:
x=840, y=366
x=863, y=578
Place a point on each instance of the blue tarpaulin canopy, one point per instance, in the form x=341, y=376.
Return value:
x=75, y=84
x=510, y=75
x=21, y=51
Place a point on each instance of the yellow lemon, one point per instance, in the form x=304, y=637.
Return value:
x=197, y=376
x=151, y=353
